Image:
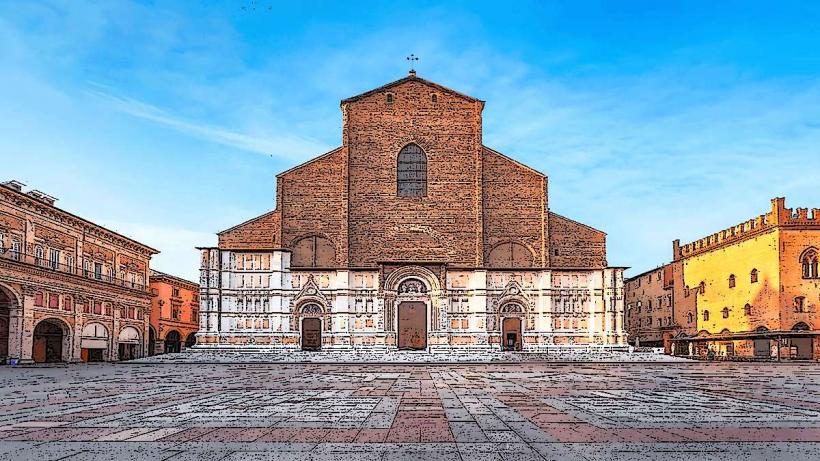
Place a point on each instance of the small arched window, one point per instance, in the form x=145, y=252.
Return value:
x=809, y=262
x=800, y=304
x=38, y=255
x=753, y=276
x=702, y=287
x=747, y=309
x=411, y=172
x=732, y=281
x=389, y=98
x=686, y=291
x=706, y=316
x=725, y=312
x=689, y=317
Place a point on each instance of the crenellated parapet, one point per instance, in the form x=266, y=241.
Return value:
x=779, y=216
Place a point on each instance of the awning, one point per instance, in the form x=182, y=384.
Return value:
x=750, y=335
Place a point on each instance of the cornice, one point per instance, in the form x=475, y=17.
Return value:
x=33, y=205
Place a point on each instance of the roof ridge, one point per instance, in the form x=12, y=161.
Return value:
x=256, y=218
x=309, y=161
x=154, y=272
x=409, y=78
x=519, y=163
x=576, y=222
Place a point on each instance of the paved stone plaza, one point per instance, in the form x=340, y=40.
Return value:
x=532, y=411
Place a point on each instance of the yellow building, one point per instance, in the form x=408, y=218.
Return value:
x=757, y=287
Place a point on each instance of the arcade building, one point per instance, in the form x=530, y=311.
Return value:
x=411, y=235
x=70, y=290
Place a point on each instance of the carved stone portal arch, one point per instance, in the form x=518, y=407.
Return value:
x=512, y=302
x=310, y=307
x=412, y=284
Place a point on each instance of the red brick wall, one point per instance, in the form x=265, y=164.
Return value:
x=313, y=201
x=259, y=233
x=577, y=245
x=446, y=224
x=515, y=203
x=476, y=197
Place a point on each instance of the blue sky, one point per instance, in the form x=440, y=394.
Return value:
x=168, y=121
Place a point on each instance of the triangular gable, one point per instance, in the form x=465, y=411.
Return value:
x=410, y=78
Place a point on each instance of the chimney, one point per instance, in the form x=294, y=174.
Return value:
x=16, y=185
x=41, y=196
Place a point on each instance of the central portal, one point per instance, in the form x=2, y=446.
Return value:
x=412, y=325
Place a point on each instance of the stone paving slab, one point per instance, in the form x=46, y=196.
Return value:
x=348, y=412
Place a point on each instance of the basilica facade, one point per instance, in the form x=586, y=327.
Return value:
x=411, y=235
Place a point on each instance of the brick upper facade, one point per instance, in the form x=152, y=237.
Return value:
x=477, y=200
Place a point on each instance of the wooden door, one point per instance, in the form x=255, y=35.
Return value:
x=803, y=346
x=48, y=343
x=412, y=325
x=511, y=334
x=311, y=334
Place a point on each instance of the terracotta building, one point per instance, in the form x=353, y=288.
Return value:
x=70, y=290
x=757, y=286
x=174, y=313
x=751, y=290
x=649, y=306
x=414, y=235
x=658, y=307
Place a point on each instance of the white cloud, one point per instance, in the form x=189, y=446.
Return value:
x=289, y=147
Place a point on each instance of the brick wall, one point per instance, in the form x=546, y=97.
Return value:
x=515, y=203
x=476, y=198
x=313, y=201
x=446, y=224
x=576, y=244
x=257, y=233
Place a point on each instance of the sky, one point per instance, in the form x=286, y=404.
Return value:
x=655, y=121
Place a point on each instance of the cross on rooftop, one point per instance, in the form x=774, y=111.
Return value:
x=412, y=58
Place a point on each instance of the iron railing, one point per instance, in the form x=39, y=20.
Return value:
x=56, y=266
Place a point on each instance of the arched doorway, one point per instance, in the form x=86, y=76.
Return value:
x=5, y=318
x=412, y=315
x=47, y=346
x=172, y=342
x=311, y=334
x=801, y=346
x=152, y=341
x=511, y=334
x=512, y=326
x=94, y=343
x=190, y=340
x=129, y=343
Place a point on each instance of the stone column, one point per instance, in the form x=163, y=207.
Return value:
x=115, y=332
x=25, y=325
x=17, y=330
x=76, y=341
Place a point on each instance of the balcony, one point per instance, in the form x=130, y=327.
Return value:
x=32, y=260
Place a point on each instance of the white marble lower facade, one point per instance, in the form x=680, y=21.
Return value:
x=253, y=299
